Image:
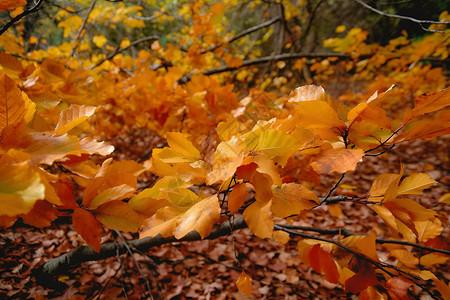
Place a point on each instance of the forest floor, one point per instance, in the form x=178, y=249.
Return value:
x=207, y=269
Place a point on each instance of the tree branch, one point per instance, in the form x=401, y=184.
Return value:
x=420, y=22
x=80, y=30
x=45, y=273
x=17, y=18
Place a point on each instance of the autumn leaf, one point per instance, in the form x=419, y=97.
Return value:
x=20, y=185
x=10, y=4
x=397, y=287
x=259, y=220
x=364, y=278
x=367, y=246
x=88, y=227
x=322, y=261
x=72, y=116
x=15, y=106
x=337, y=160
x=42, y=214
x=201, y=217
x=111, y=194
x=415, y=184
x=291, y=199
x=237, y=197
x=244, y=284
x=118, y=215
x=427, y=103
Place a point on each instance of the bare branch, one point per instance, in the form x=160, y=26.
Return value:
x=333, y=189
x=420, y=22
x=80, y=30
x=17, y=18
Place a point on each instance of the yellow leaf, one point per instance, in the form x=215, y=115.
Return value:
x=201, y=217
x=405, y=257
x=415, y=184
x=72, y=116
x=118, y=215
x=291, y=199
x=443, y=288
x=445, y=199
x=274, y=143
x=20, y=186
x=428, y=230
x=227, y=129
x=259, y=219
x=179, y=142
x=431, y=259
x=244, y=284
x=163, y=222
x=340, y=28
x=427, y=103
x=99, y=40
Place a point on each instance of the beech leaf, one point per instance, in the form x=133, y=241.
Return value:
x=415, y=184
x=259, y=220
x=337, y=160
x=201, y=217
x=72, y=116
x=244, y=284
x=88, y=227
x=118, y=215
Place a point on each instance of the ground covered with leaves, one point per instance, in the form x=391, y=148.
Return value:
x=208, y=269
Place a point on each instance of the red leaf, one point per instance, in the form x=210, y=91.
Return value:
x=322, y=262
x=364, y=277
x=88, y=227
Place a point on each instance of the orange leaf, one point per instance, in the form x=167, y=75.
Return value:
x=244, y=284
x=337, y=160
x=415, y=184
x=111, y=194
x=427, y=103
x=10, y=62
x=237, y=197
x=72, y=116
x=367, y=247
x=88, y=227
x=118, y=215
x=11, y=4
x=291, y=199
x=322, y=261
x=201, y=217
x=398, y=287
x=263, y=186
x=307, y=93
x=15, y=106
x=259, y=219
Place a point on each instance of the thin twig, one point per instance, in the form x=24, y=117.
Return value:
x=243, y=33
x=80, y=30
x=420, y=22
x=332, y=189
x=346, y=232
x=130, y=252
x=17, y=18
